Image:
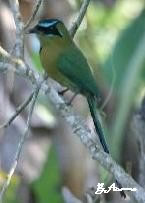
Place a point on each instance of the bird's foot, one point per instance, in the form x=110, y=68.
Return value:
x=62, y=92
x=71, y=99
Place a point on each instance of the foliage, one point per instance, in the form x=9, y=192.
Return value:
x=114, y=43
x=48, y=187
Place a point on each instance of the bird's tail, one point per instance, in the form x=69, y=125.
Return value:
x=95, y=116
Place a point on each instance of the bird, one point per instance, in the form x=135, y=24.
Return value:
x=65, y=63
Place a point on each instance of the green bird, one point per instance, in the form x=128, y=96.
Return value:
x=64, y=62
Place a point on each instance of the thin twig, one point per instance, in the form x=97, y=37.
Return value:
x=18, y=47
x=34, y=12
x=17, y=61
x=79, y=18
x=19, y=52
x=24, y=136
x=19, y=109
x=14, y=164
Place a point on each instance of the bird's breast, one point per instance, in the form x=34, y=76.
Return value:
x=49, y=55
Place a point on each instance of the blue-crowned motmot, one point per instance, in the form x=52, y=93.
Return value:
x=65, y=63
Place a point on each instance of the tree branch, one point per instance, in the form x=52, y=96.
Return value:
x=19, y=45
x=85, y=135
x=18, y=111
x=34, y=12
x=79, y=18
x=22, y=140
x=20, y=67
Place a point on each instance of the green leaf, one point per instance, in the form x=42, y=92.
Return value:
x=128, y=61
x=125, y=50
x=48, y=187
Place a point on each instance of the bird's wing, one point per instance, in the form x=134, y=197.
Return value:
x=75, y=67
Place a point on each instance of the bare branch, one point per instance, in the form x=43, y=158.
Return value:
x=9, y=57
x=34, y=12
x=22, y=140
x=19, y=45
x=18, y=111
x=79, y=18
x=21, y=68
x=82, y=131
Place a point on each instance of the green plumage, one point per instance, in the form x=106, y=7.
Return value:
x=83, y=78
x=65, y=63
x=74, y=66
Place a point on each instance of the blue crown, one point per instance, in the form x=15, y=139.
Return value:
x=48, y=22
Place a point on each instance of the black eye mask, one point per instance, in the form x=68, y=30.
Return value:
x=50, y=30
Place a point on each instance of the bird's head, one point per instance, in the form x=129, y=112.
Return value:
x=49, y=29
